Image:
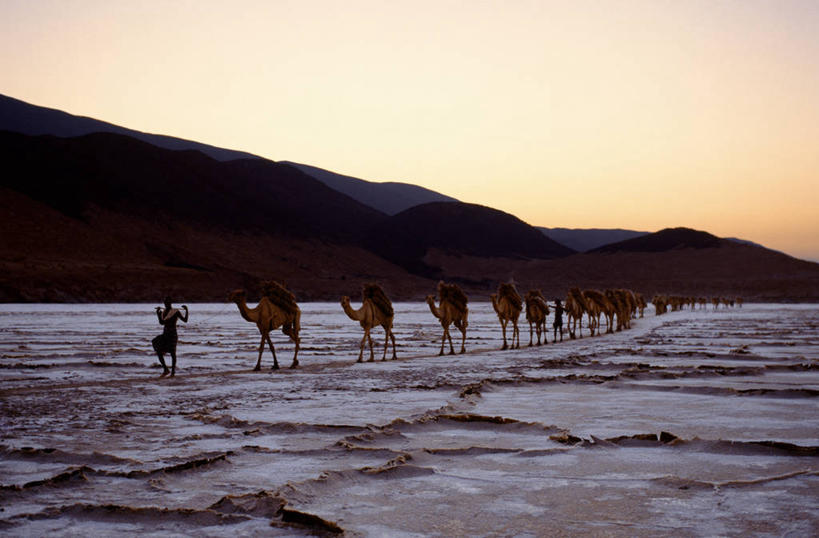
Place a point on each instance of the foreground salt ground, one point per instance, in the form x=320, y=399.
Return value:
x=558, y=439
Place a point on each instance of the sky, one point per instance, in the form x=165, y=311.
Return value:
x=600, y=114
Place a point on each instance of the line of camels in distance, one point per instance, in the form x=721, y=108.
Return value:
x=277, y=309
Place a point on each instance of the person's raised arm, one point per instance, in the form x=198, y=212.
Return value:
x=185, y=317
x=159, y=315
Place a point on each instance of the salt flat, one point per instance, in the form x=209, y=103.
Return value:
x=561, y=439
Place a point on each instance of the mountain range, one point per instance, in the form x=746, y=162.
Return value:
x=97, y=212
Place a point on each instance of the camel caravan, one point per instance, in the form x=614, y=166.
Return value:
x=277, y=309
x=662, y=303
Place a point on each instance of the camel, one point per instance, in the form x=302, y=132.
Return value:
x=660, y=304
x=576, y=306
x=599, y=304
x=452, y=310
x=376, y=309
x=536, y=311
x=277, y=308
x=508, y=306
x=623, y=302
x=641, y=303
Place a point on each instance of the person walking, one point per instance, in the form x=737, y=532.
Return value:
x=558, y=323
x=166, y=342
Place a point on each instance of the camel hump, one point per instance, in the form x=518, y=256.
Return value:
x=374, y=292
x=508, y=291
x=280, y=296
x=453, y=294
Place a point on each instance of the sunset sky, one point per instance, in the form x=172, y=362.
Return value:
x=629, y=114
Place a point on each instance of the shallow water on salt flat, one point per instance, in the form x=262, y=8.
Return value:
x=560, y=438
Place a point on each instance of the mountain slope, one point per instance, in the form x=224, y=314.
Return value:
x=665, y=240
x=461, y=229
x=584, y=239
x=389, y=197
x=121, y=174
x=21, y=117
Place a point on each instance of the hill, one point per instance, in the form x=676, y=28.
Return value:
x=21, y=117
x=388, y=197
x=665, y=240
x=584, y=239
x=122, y=174
x=461, y=229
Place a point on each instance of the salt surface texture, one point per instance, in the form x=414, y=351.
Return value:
x=558, y=439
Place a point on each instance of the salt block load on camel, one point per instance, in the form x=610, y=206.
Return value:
x=451, y=310
x=376, y=309
x=277, y=308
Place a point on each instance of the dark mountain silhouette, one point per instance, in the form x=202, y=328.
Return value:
x=21, y=117
x=589, y=239
x=122, y=174
x=585, y=239
x=388, y=197
x=665, y=240
x=459, y=228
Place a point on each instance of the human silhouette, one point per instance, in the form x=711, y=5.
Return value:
x=166, y=342
x=558, y=323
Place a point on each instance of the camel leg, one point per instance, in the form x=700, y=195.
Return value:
x=530, y=334
x=392, y=337
x=386, y=342
x=292, y=332
x=275, y=362
x=370, y=340
x=515, y=336
x=361, y=348
x=462, y=328
x=443, y=340
x=296, y=353
x=503, y=326
x=449, y=336
x=261, y=350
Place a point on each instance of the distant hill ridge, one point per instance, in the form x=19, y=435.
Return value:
x=21, y=117
x=585, y=239
x=665, y=240
x=390, y=197
x=590, y=239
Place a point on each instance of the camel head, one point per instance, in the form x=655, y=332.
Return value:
x=345, y=301
x=431, y=299
x=237, y=295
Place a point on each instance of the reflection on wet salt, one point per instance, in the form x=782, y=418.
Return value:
x=693, y=423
